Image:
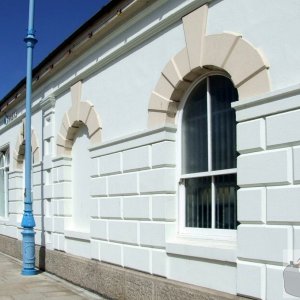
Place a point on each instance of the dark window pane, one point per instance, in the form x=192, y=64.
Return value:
x=194, y=131
x=226, y=202
x=222, y=94
x=198, y=202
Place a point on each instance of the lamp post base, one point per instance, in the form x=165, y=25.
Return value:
x=29, y=272
x=28, y=252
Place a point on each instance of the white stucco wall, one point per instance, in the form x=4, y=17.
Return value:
x=271, y=26
x=121, y=92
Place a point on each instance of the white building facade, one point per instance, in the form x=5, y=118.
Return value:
x=166, y=151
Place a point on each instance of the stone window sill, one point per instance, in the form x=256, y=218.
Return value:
x=221, y=250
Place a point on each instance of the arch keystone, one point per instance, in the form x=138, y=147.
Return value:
x=194, y=25
x=76, y=93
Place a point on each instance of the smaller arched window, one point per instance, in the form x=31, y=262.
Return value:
x=208, y=156
x=4, y=169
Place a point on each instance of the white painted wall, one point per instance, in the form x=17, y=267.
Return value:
x=121, y=92
x=272, y=26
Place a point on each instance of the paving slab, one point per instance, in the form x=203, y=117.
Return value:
x=14, y=286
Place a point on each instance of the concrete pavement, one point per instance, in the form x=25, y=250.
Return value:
x=14, y=286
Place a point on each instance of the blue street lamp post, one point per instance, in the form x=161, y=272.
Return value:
x=28, y=223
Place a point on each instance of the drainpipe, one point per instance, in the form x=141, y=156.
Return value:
x=28, y=223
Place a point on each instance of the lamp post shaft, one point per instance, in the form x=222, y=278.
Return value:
x=28, y=223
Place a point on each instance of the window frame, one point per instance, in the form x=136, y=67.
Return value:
x=5, y=151
x=192, y=232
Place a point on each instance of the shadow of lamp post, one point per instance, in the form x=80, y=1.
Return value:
x=28, y=223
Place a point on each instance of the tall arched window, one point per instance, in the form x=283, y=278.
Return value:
x=4, y=169
x=208, y=155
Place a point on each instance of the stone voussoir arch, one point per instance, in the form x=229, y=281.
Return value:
x=19, y=151
x=81, y=113
x=227, y=52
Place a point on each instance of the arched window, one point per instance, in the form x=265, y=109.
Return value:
x=81, y=180
x=208, y=156
x=4, y=169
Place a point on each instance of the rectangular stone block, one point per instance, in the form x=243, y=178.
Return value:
x=252, y=205
x=38, y=222
x=98, y=187
x=36, y=180
x=266, y=243
x=47, y=161
x=251, y=136
x=47, y=191
x=15, y=183
x=95, y=249
x=48, y=132
x=37, y=192
x=275, y=284
x=159, y=262
x=111, y=253
x=164, y=154
x=95, y=172
x=123, y=231
x=265, y=168
x=137, y=208
x=164, y=208
x=296, y=243
x=125, y=184
x=157, y=181
x=78, y=247
x=58, y=224
x=62, y=190
x=37, y=206
x=99, y=229
x=110, y=208
x=251, y=279
x=137, y=258
x=283, y=128
x=152, y=234
x=283, y=204
x=48, y=223
x=64, y=173
x=214, y=275
x=62, y=207
x=15, y=207
x=94, y=208
x=296, y=164
x=59, y=241
x=110, y=164
x=136, y=159
x=54, y=175
x=16, y=195
x=48, y=176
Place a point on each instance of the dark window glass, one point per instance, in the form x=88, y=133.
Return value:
x=194, y=131
x=223, y=129
x=198, y=202
x=226, y=203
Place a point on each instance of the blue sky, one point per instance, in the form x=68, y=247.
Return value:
x=55, y=20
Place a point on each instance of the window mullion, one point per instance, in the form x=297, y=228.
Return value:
x=213, y=203
x=209, y=135
x=209, y=144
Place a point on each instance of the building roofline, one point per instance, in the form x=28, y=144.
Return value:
x=88, y=33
